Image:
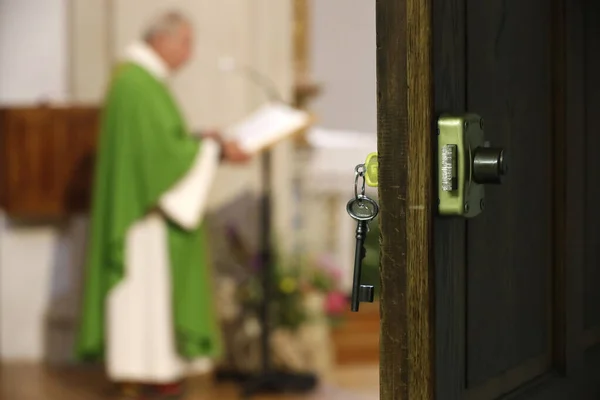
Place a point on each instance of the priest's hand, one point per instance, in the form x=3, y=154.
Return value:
x=233, y=153
x=230, y=150
x=214, y=135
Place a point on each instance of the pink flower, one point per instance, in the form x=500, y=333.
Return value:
x=335, y=303
x=328, y=264
x=336, y=274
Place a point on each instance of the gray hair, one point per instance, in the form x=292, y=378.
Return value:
x=166, y=23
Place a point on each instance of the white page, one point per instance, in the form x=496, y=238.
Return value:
x=268, y=125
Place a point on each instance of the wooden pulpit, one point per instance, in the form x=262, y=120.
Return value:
x=46, y=160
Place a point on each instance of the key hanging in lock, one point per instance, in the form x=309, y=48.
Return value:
x=363, y=210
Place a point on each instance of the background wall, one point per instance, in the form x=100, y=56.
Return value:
x=343, y=59
x=90, y=49
x=33, y=66
x=33, y=50
x=64, y=50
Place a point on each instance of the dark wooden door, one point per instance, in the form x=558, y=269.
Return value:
x=505, y=305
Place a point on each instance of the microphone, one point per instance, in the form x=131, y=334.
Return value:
x=229, y=64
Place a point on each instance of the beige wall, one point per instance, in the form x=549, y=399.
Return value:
x=90, y=49
x=343, y=59
x=32, y=67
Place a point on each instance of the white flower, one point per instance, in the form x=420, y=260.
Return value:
x=252, y=328
x=228, y=307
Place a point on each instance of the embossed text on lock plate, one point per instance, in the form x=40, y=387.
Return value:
x=449, y=166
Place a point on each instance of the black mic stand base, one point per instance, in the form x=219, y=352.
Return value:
x=279, y=382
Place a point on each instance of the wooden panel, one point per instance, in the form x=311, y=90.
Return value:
x=592, y=174
x=46, y=160
x=356, y=341
x=83, y=133
x=509, y=245
x=558, y=372
x=405, y=105
x=566, y=172
x=449, y=240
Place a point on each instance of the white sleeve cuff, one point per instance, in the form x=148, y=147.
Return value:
x=186, y=202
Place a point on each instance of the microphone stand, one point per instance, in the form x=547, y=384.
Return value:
x=269, y=380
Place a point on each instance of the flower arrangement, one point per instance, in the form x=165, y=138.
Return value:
x=326, y=279
x=292, y=282
x=306, y=298
x=290, y=286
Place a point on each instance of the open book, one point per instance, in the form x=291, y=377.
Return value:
x=267, y=126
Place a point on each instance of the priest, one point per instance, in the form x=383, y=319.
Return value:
x=148, y=309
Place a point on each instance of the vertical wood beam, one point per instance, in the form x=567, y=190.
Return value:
x=405, y=146
x=572, y=133
x=301, y=39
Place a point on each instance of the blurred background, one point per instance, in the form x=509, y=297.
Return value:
x=56, y=57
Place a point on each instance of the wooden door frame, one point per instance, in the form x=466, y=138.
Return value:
x=423, y=337
x=404, y=118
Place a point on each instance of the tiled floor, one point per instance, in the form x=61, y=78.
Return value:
x=28, y=382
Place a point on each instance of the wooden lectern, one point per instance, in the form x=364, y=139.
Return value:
x=46, y=160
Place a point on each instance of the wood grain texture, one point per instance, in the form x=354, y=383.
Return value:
x=510, y=257
x=527, y=80
x=356, y=341
x=582, y=385
x=592, y=170
x=449, y=40
x=47, y=160
x=569, y=322
x=560, y=273
x=404, y=93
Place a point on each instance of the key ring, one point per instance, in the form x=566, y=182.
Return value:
x=359, y=172
x=367, y=209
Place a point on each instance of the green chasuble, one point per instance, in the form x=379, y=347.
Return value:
x=144, y=149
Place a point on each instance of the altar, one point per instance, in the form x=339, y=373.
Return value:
x=328, y=184
x=327, y=176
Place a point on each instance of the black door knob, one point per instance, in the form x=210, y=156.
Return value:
x=489, y=165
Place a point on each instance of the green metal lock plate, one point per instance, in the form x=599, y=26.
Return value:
x=458, y=138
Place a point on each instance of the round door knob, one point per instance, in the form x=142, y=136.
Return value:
x=489, y=165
